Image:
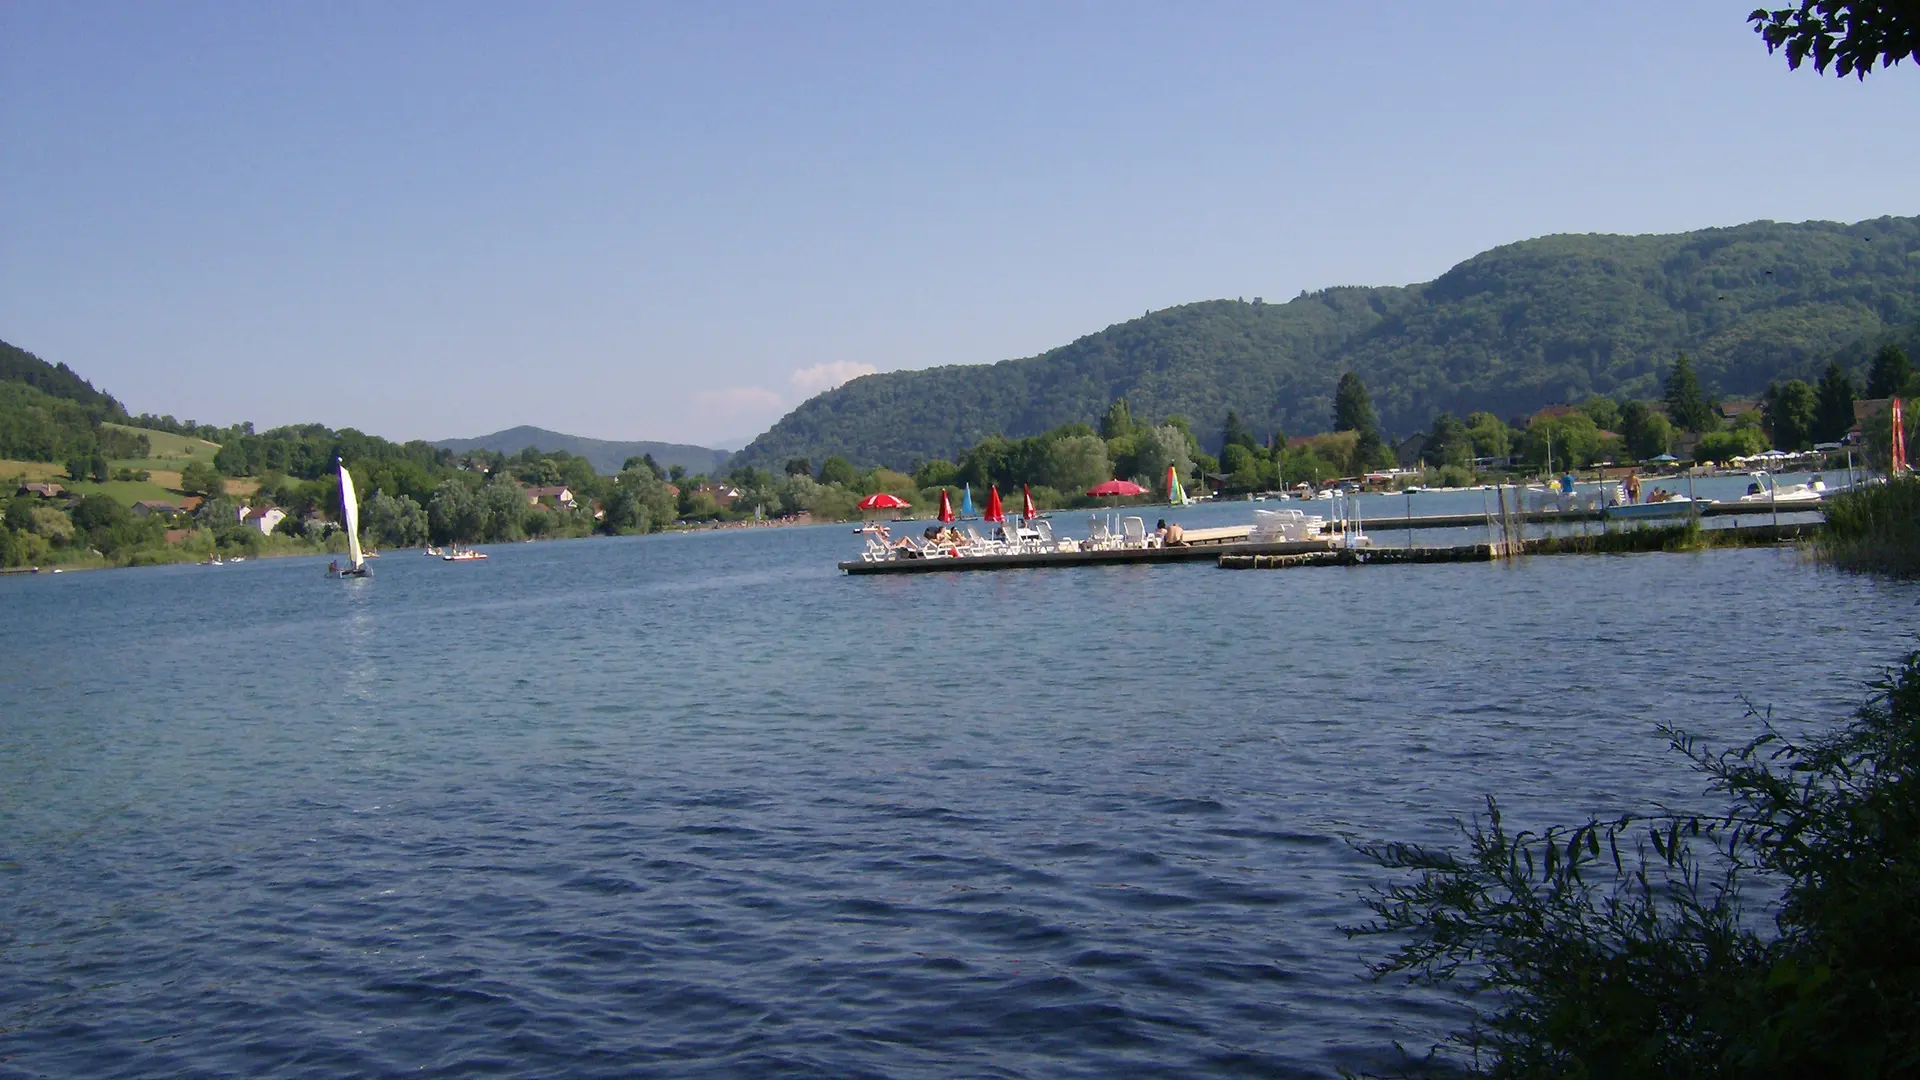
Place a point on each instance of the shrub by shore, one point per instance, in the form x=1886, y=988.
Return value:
x=1641, y=947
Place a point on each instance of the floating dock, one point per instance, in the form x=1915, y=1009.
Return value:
x=1638, y=540
x=1237, y=554
x=1386, y=522
x=1203, y=545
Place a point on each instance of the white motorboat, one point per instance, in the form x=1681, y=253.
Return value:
x=1677, y=506
x=1764, y=490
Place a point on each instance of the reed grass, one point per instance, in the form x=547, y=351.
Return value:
x=1874, y=529
x=1682, y=536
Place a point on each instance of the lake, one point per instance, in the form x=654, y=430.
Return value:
x=698, y=805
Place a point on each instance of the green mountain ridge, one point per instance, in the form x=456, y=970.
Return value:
x=49, y=413
x=1507, y=331
x=17, y=365
x=606, y=456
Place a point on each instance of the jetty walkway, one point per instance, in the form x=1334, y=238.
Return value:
x=1229, y=549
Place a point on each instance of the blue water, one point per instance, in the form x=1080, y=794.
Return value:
x=699, y=805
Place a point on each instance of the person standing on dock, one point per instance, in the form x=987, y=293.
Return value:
x=1633, y=487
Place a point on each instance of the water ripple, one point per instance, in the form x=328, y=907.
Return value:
x=696, y=806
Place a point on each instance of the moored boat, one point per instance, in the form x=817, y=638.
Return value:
x=1764, y=489
x=1678, y=506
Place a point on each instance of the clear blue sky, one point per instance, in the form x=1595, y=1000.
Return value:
x=673, y=221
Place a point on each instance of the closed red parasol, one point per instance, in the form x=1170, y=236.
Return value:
x=994, y=512
x=883, y=501
x=1116, y=487
x=1026, y=504
x=946, y=506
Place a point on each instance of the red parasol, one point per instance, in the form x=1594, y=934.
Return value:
x=946, y=506
x=883, y=501
x=1026, y=504
x=994, y=513
x=1117, y=487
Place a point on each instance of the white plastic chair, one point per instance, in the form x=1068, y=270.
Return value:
x=980, y=545
x=1044, y=529
x=1098, y=538
x=1133, y=532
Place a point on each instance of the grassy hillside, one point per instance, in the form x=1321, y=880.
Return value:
x=606, y=456
x=170, y=451
x=1509, y=330
x=170, y=454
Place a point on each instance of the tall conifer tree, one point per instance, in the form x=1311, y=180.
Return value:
x=1833, y=409
x=1686, y=405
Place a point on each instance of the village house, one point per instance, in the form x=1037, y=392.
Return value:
x=147, y=507
x=561, y=496
x=1551, y=412
x=1732, y=410
x=1863, y=408
x=1407, y=450
x=721, y=494
x=44, y=491
x=264, y=518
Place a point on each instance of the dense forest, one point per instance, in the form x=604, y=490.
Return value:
x=48, y=413
x=1557, y=319
x=19, y=366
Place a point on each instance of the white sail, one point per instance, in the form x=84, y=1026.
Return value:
x=350, y=516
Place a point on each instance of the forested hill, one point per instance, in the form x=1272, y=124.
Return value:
x=17, y=365
x=1508, y=331
x=47, y=413
x=606, y=456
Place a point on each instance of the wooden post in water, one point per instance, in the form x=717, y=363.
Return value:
x=1500, y=505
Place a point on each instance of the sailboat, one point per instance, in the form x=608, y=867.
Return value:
x=350, y=517
x=1176, y=494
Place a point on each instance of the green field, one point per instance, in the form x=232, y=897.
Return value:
x=171, y=453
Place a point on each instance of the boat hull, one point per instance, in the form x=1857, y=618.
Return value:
x=1637, y=511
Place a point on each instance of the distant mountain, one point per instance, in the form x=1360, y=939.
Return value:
x=1508, y=331
x=606, y=456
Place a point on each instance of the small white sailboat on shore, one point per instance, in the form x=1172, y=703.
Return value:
x=350, y=517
